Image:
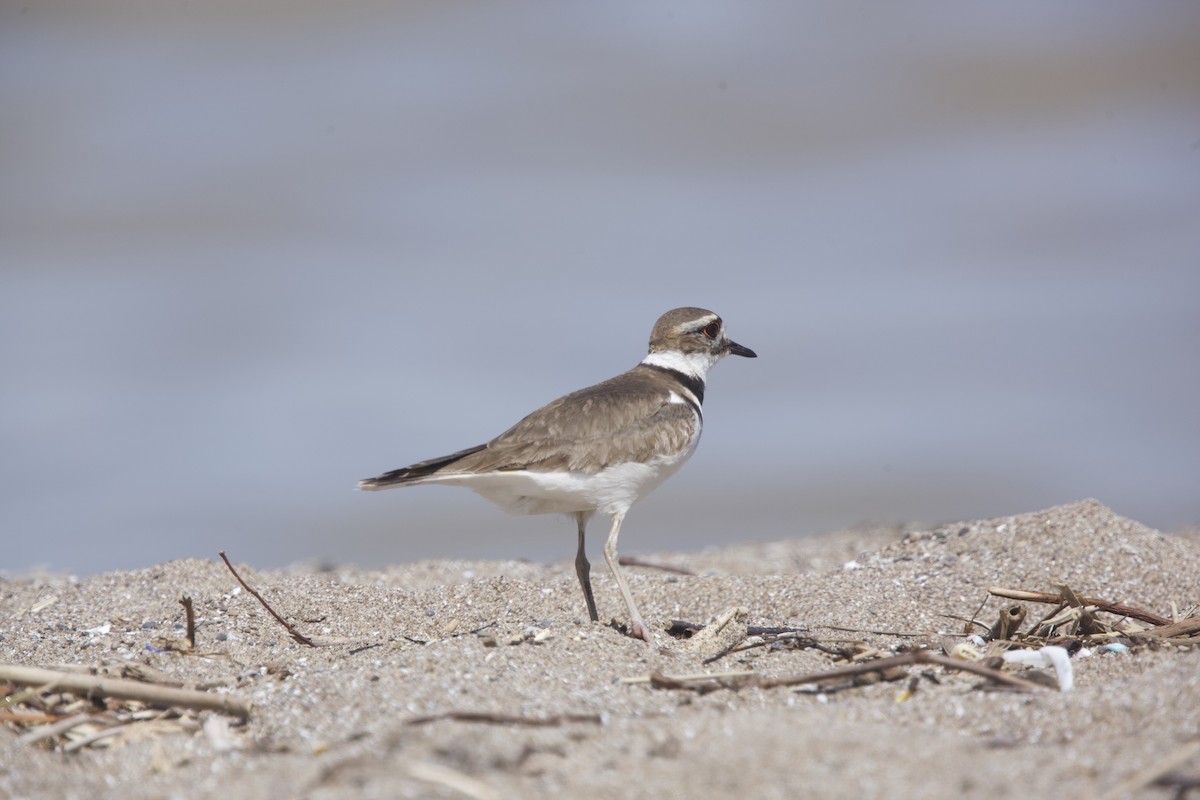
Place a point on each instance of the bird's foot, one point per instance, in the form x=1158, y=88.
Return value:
x=635, y=629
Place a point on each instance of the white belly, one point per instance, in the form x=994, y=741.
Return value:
x=612, y=490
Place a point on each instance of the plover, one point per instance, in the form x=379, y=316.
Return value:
x=602, y=448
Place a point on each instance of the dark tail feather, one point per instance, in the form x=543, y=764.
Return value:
x=399, y=477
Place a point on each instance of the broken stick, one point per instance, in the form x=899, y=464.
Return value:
x=635, y=561
x=1103, y=605
x=190, y=615
x=295, y=634
x=903, y=660
x=1183, y=628
x=506, y=719
x=124, y=689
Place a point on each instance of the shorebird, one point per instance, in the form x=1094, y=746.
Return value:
x=602, y=448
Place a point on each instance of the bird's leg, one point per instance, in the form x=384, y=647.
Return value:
x=637, y=628
x=583, y=567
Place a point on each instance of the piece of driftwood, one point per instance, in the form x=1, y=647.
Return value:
x=295, y=634
x=124, y=689
x=1104, y=605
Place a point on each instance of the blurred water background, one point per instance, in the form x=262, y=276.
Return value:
x=251, y=252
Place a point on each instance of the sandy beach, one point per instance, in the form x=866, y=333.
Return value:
x=486, y=679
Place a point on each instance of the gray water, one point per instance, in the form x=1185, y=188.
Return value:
x=253, y=252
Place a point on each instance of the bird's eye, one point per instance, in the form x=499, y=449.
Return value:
x=712, y=329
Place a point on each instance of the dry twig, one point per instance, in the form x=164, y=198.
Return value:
x=905, y=659
x=125, y=689
x=698, y=677
x=95, y=736
x=295, y=634
x=55, y=728
x=1103, y=605
x=634, y=561
x=441, y=775
x=886, y=666
x=1183, y=628
x=506, y=719
x=877, y=632
x=190, y=615
x=679, y=627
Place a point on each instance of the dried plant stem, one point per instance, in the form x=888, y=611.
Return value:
x=634, y=561
x=1103, y=605
x=506, y=719
x=124, y=689
x=881, y=665
x=190, y=615
x=903, y=660
x=295, y=634
x=678, y=627
x=60, y=726
x=441, y=775
x=877, y=632
x=1183, y=628
x=693, y=678
x=95, y=736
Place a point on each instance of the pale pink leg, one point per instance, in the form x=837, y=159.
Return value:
x=637, y=627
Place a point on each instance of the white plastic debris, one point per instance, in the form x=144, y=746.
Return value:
x=1048, y=656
